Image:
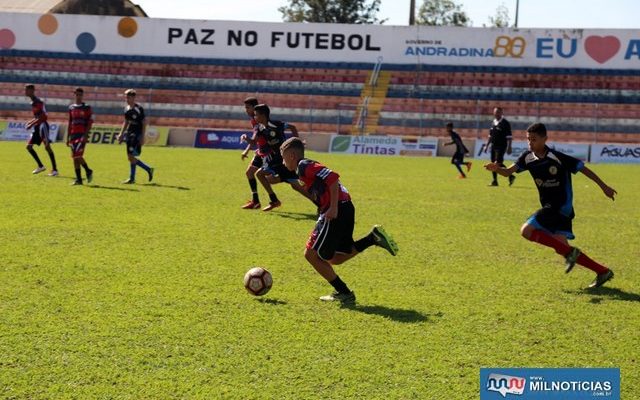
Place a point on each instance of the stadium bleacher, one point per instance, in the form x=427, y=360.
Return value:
x=578, y=105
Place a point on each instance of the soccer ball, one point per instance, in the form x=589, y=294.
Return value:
x=258, y=281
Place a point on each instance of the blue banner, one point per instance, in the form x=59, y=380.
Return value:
x=549, y=383
x=219, y=139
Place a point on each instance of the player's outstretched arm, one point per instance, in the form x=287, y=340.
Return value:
x=495, y=167
x=608, y=191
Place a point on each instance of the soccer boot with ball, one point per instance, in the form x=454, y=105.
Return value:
x=343, y=298
x=383, y=239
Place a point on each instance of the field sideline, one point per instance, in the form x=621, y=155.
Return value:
x=135, y=292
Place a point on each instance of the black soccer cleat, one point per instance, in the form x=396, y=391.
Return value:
x=511, y=179
x=151, y=174
x=570, y=259
x=343, y=298
x=601, y=279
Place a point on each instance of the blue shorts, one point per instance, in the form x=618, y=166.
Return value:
x=551, y=220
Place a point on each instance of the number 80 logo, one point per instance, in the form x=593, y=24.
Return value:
x=507, y=46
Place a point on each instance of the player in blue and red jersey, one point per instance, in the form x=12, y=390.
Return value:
x=40, y=131
x=132, y=133
x=331, y=242
x=256, y=161
x=551, y=225
x=80, y=121
x=268, y=135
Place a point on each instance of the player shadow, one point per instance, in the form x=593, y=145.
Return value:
x=154, y=184
x=295, y=215
x=273, y=302
x=612, y=293
x=395, y=314
x=603, y=292
x=113, y=188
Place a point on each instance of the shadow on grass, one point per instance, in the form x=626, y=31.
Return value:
x=113, y=188
x=612, y=293
x=166, y=186
x=396, y=314
x=296, y=216
x=273, y=302
x=603, y=292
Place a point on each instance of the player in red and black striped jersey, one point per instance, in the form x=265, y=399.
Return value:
x=80, y=121
x=331, y=241
x=256, y=161
x=268, y=135
x=40, y=131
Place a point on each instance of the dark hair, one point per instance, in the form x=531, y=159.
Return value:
x=251, y=101
x=30, y=86
x=293, y=143
x=538, y=128
x=262, y=109
x=78, y=90
x=449, y=125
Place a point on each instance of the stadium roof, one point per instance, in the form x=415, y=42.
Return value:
x=94, y=7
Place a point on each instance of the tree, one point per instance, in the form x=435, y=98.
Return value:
x=442, y=13
x=501, y=19
x=334, y=11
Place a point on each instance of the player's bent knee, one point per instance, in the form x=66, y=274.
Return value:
x=526, y=230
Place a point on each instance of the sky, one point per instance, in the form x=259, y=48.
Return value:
x=532, y=13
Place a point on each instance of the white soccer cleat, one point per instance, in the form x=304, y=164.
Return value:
x=38, y=170
x=53, y=173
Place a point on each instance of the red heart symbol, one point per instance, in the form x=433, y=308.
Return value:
x=602, y=48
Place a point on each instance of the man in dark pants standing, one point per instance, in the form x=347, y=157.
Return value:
x=500, y=141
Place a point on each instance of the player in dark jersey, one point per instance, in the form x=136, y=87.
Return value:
x=331, y=242
x=80, y=121
x=132, y=133
x=461, y=150
x=40, y=131
x=268, y=135
x=551, y=225
x=256, y=161
x=500, y=142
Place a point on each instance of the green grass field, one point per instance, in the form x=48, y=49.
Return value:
x=111, y=291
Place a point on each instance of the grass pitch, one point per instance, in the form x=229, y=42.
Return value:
x=110, y=291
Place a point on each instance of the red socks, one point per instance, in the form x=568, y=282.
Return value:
x=592, y=265
x=546, y=239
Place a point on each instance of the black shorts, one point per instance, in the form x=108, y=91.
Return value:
x=257, y=161
x=134, y=148
x=335, y=235
x=497, y=154
x=282, y=172
x=551, y=220
x=39, y=134
x=458, y=158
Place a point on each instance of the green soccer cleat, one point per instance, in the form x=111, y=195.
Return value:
x=151, y=170
x=384, y=240
x=343, y=298
x=570, y=259
x=601, y=279
x=89, y=176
